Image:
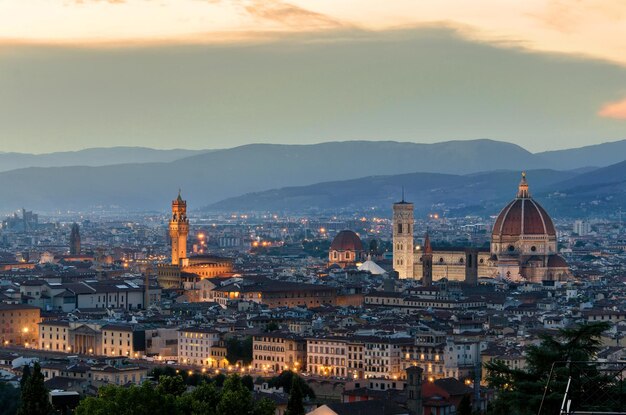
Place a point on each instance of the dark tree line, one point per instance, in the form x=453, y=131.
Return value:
x=543, y=382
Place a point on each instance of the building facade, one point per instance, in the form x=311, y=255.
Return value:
x=19, y=325
x=523, y=247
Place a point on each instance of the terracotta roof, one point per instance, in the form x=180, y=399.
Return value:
x=346, y=240
x=523, y=216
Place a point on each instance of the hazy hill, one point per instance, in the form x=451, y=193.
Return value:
x=602, y=191
x=209, y=177
x=213, y=176
x=92, y=157
x=599, y=155
x=430, y=192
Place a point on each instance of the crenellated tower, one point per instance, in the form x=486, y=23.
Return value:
x=179, y=229
x=403, y=222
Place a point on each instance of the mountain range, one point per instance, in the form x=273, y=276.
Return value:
x=563, y=193
x=92, y=157
x=456, y=173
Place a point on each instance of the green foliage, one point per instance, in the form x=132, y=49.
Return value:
x=286, y=379
x=219, y=380
x=520, y=392
x=237, y=350
x=171, y=385
x=373, y=247
x=9, y=399
x=134, y=400
x=236, y=398
x=248, y=382
x=271, y=326
x=295, y=406
x=316, y=248
x=265, y=407
x=25, y=376
x=170, y=397
x=159, y=371
x=34, y=400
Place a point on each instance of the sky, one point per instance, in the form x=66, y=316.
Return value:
x=201, y=74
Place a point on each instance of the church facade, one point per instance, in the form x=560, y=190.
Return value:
x=523, y=247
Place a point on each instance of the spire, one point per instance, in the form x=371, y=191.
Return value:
x=402, y=194
x=428, y=249
x=522, y=191
x=179, y=198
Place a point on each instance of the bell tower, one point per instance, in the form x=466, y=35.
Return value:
x=402, y=223
x=179, y=229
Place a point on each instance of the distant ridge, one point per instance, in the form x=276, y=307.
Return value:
x=148, y=182
x=99, y=156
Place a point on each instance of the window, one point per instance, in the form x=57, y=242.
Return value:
x=399, y=228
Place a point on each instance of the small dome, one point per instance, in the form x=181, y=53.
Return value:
x=557, y=261
x=523, y=216
x=346, y=241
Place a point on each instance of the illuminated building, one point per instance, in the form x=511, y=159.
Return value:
x=19, y=325
x=346, y=250
x=523, y=247
x=183, y=269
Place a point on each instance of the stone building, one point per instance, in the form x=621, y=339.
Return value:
x=278, y=351
x=346, y=250
x=523, y=247
x=19, y=325
x=183, y=269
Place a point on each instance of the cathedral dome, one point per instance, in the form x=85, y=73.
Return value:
x=346, y=241
x=523, y=216
x=557, y=261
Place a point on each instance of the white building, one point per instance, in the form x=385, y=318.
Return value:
x=195, y=346
x=581, y=227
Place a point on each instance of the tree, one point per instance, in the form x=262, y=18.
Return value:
x=248, y=382
x=236, y=399
x=521, y=392
x=169, y=398
x=25, y=376
x=285, y=380
x=373, y=247
x=295, y=405
x=271, y=326
x=35, y=400
x=134, y=400
x=465, y=406
x=10, y=399
x=265, y=406
x=171, y=385
x=237, y=350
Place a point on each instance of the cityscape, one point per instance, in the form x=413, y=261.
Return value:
x=312, y=208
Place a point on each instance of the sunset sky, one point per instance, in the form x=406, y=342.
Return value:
x=213, y=74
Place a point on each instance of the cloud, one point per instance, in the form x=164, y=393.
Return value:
x=290, y=15
x=616, y=110
x=568, y=16
x=100, y=1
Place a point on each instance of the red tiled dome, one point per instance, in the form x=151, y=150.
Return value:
x=523, y=216
x=346, y=241
x=557, y=261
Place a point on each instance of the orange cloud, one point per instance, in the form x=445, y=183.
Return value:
x=289, y=14
x=615, y=110
x=97, y=1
